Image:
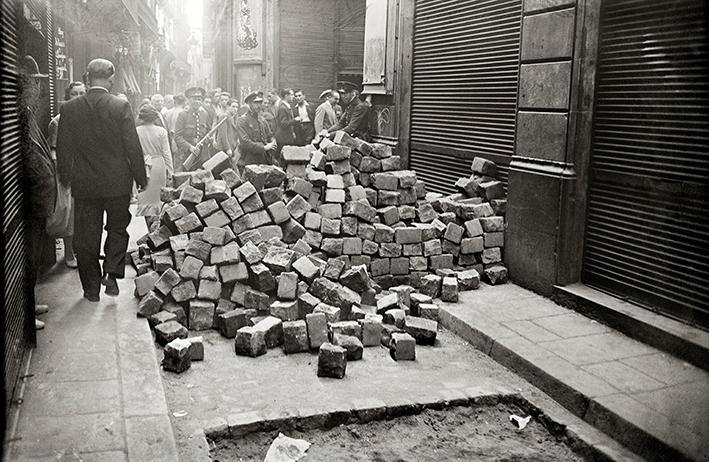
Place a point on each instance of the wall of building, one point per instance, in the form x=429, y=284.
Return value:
x=548, y=172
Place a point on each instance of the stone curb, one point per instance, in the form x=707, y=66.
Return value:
x=371, y=409
x=586, y=408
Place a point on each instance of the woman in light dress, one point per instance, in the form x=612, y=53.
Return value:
x=158, y=163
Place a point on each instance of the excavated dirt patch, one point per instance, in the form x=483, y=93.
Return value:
x=453, y=434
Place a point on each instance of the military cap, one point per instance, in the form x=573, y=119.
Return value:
x=346, y=86
x=195, y=91
x=253, y=98
x=325, y=94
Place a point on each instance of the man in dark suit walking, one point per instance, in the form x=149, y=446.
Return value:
x=99, y=156
x=285, y=122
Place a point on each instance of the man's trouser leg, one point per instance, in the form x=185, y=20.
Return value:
x=117, y=220
x=88, y=220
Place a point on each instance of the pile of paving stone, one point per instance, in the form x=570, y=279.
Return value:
x=340, y=250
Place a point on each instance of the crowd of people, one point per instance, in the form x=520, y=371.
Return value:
x=99, y=155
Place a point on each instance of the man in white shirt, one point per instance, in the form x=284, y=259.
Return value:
x=325, y=116
x=304, y=114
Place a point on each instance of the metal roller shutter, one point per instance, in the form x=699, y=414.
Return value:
x=647, y=223
x=464, y=87
x=17, y=335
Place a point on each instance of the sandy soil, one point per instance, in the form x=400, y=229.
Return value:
x=456, y=434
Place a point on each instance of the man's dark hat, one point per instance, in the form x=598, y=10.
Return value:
x=253, y=98
x=28, y=66
x=346, y=86
x=195, y=91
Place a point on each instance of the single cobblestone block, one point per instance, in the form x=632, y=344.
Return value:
x=261, y=278
x=351, y=344
x=431, y=285
x=305, y=268
x=313, y=221
x=295, y=337
x=404, y=292
x=494, y=239
x=484, y=167
x=191, y=267
x=272, y=195
x=332, y=313
x=230, y=177
x=231, y=321
x=496, y=274
x=217, y=219
x=471, y=245
x=432, y=247
x=389, y=250
x=380, y=266
x=402, y=347
x=279, y=213
x=407, y=212
x=199, y=249
x=468, y=279
x=396, y=316
x=360, y=209
x=272, y=329
x=492, y=224
x=145, y=283
x=259, y=218
x=285, y=310
x=491, y=255
x=331, y=246
x=491, y=190
x=473, y=228
x=383, y=233
x=150, y=304
x=370, y=165
x=332, y=211
x=388, y=302
x=206, y=208
x=217, y=189
x=356, y=193
x=191, y=196
x=441, y=261
x=244, y=191
x=429, y=311
x=233, y=272
x=306, y=304
x=336, y=196
x=407, y=235
x=242, y=224
x=179, y=242
x=176, y=356
x=298, y=207
x=196, y=348
x=454, y=233
x=317, y=329
x=279, y=259
x=184, y=291
x=201, y=314
x=332, y=361
x=250, y=253
x=296, y=154
x=352, y=328
x=177, y=310
x=160, y=238
x=335, y=182
x=483, y=210
x=225, y=255
x=348, y=226
x=330, y=226
x=287, y=286
x=209, y=290
x=449, y=289
x=381, y=151
x=356, y=278
x=371, y=332
x=214, y=236
x=425, y=213
x=168, y=331
x=385, y=198
x=421, y=329
x=232, y=208
x=352, y=246
x=450, y=248
x=300, y=186
x=249, y=341
x=337, y=152
x=188, y=224
x=399, y=266
x=161, y=317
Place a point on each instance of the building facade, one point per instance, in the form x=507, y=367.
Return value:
x=596, y=113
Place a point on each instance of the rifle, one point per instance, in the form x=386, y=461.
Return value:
x=196, y=158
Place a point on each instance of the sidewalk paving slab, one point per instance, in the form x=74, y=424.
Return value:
x=650, y=401
x=94, y=391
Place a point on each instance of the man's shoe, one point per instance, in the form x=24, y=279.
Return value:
x=38, y=325
x=91, y=298
x=41, y=309
x=111, y=285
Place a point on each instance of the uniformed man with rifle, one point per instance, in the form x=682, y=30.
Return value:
x=191, y=130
